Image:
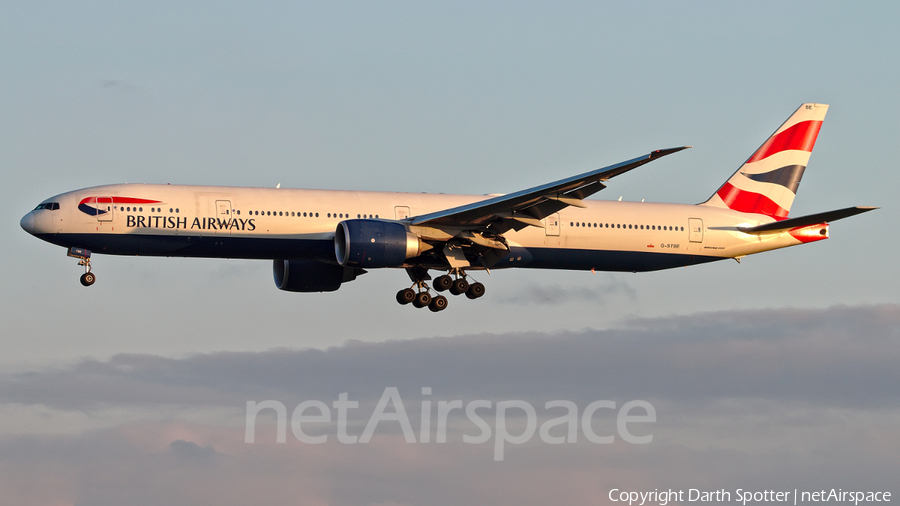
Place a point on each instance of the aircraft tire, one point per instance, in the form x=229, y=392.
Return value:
x=406, y=296
x=459, y=286
x=88, y=278
x=475, y=290
x=422, y=299
x=438, y=303
x=442, y=283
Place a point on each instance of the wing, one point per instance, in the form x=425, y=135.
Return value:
x=528, y=207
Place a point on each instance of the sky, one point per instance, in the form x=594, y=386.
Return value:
x=775, y=372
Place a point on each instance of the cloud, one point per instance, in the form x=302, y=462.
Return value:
x=768, y=399
x=557, y=294
x=118, y=84
x=840, y=356
x=192, y=453
x=133, y=464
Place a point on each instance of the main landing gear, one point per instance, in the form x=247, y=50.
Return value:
x=84, y=259
x=418, y=295
x=421, y=298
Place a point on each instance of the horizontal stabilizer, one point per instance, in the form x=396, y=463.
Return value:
x=804, y=221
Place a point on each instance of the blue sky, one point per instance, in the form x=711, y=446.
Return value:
x=467, y=98
x=478, y=97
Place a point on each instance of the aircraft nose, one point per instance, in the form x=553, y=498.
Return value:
x=27, y=223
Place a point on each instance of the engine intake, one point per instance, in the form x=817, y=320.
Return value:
x=375, y=243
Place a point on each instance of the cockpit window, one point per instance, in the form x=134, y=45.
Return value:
x=50, y=206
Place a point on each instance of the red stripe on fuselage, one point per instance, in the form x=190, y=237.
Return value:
x=750, y=202
x=119, y=200
x=801, y=137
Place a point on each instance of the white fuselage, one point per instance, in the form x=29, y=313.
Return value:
x=268, y=223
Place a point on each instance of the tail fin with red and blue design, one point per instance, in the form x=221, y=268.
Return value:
x=767, y=182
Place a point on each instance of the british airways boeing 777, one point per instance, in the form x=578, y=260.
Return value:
x=320, y=239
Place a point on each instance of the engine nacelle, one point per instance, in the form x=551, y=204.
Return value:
x=375, y=243
x=311, y=276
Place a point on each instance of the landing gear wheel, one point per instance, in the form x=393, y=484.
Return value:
x=475, y=290
x=87, y=279
x=438, y=303
x=422, y=299
x=442, y=283
x=459, y=286
x=406, y=296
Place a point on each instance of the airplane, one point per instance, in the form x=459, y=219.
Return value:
x=320, y=239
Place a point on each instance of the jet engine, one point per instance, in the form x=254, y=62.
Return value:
x=375, y=243
x=311, y=276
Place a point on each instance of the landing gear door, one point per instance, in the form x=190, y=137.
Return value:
x=104, y=207
x=551, y=224
x=223, y=214
x=696, y=229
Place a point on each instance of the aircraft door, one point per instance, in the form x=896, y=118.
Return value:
x=223, y=214
x=695, y=228
x=401, y=212
x=104, y=206
x=551, y=224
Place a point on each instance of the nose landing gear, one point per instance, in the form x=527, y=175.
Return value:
x=88, y=278
x=84, y=259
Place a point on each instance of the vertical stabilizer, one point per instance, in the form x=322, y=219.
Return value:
x=768, y=180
